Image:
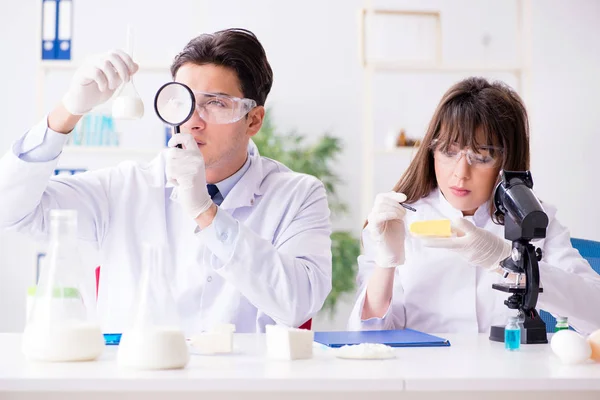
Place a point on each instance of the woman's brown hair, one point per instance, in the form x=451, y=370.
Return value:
x=471, y=106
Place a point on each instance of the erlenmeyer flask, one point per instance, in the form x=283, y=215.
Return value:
x=155, y=339
x=127, y=103
x=59, y=327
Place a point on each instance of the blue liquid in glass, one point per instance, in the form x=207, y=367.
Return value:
x=512, y=339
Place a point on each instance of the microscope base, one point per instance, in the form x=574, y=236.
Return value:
x=528, y=335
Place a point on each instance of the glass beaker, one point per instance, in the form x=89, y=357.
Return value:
x=155, y=339
x=128, y=104
x=59, y=327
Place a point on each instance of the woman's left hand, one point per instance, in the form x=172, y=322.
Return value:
x=476, y=245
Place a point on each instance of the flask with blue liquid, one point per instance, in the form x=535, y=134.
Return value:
x=512, y=334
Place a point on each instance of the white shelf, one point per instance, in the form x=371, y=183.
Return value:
x=405, y=150
x=109, y=150
x=413, y=67
x=69, y=65
x=95, y=157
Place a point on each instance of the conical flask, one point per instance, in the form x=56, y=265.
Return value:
x=128, y=104
x=59, y=327
x=155, y=339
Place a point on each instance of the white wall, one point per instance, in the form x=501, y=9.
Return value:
x=313, y=49
x=17, y=69
x=564, y=107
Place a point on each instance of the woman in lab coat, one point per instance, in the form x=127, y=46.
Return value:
x=445, y=285
x=250, y=248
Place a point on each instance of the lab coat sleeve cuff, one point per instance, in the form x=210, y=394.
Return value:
x=40, y=144
x=356, y=323
x=220, y=237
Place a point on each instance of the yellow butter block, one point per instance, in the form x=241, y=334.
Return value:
x=438, y=228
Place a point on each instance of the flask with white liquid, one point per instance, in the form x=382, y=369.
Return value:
x=58, y=326
x=154, y=340
x=128, y=103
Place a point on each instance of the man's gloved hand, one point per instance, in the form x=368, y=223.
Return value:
x=476, y=245
x=386, y=228
x=96, y=81
x=185, y=169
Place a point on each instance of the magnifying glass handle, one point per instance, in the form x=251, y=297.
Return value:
x=175, y=132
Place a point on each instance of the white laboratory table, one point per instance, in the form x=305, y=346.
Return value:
x=471, y=368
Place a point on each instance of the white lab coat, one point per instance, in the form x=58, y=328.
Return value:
x=265, y=259
x=438, y=291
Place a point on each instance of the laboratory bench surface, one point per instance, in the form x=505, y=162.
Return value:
x=471, y=368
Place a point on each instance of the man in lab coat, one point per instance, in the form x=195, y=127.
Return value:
x=247, y=239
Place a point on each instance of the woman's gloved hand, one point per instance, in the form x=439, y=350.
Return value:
x=476, y=245
x=385, y=225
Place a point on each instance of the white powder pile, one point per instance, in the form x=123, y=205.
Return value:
x=365, y=351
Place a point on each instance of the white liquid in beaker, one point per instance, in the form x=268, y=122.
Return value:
x=154, y=348
x=69, y=342
x=128, y=107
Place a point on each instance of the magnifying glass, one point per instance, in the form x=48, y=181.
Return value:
x=174, y=104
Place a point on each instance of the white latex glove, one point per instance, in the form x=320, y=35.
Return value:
x=386, y=228
x=185, y=169
x=476, y=245
x=97, y=79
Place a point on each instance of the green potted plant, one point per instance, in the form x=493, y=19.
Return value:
x=314, y=159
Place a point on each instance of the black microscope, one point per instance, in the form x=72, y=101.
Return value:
x=524, y=220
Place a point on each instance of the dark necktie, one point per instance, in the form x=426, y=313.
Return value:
x=212, y=190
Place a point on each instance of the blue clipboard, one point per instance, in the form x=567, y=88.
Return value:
x=393, y=338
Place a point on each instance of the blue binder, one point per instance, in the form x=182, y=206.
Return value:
x=64, y=31
x=49, y=28
x=57, y=29
x=393, y=338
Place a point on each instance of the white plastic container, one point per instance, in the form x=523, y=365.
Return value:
x=215, y=341
x=285, y=343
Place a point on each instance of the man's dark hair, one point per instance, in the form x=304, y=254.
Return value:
x=237, y=49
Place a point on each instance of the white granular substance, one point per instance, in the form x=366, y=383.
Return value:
x=365, y=351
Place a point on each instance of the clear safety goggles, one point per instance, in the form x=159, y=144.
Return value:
x=222, y=109
x=482, y=159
